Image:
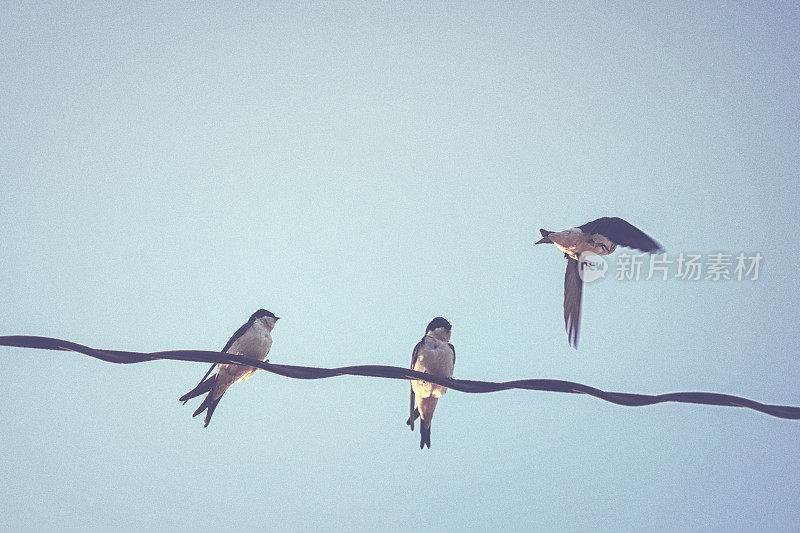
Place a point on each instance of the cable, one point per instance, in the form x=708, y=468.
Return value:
x=394, y=372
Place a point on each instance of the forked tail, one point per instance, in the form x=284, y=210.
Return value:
x=545, y=239
x=424, y=435
x=209, y=405
x=201, y=388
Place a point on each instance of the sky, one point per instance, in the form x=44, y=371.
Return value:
x=358, y=169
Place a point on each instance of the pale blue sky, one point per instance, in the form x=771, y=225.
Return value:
x=358, y=170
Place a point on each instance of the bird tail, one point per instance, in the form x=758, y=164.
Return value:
x=201, y=388
x=545, y=239
x=208, y=404
x=426, y=408
x=424, y=434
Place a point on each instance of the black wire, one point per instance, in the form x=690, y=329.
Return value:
x=394, y=372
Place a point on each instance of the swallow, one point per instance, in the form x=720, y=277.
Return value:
x=601, y=236
x=251, y=340
x=436, y=356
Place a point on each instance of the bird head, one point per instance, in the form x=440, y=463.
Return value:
x=265, y=317
x=439, y=328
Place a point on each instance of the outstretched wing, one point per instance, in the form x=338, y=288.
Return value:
x=623, y=233
x=413, y=411
x=573, y=293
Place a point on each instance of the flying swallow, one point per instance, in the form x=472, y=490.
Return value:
x=601, y=237
x=434, y=355
x=251, y=340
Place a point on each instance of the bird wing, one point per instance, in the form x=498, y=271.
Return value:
x=186, y=397
x=573, y=293
x=239, y=332
x=413, y=412
x=416, y=353
x=454, y=353
x=203, y=387
x=623, y=233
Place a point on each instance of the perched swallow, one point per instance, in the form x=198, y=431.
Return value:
x=252, y=340
x=600, y=236
x=435, y=355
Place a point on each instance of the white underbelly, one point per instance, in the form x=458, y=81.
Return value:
x=437, y=363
